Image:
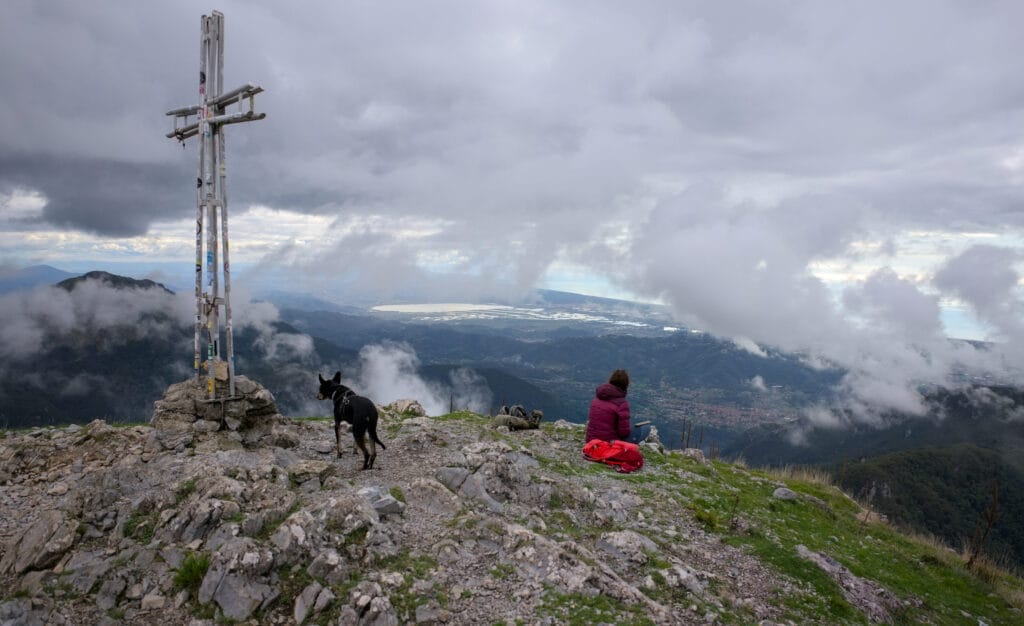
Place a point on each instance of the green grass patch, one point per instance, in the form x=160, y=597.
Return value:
x=397, y=493
x=827, y=598
x=577, y=609
x=577, y=467
x=576, y=527
x=116, y=613
x=464, y=416
x=413, y=567
x=418, y=565
x=502, y=571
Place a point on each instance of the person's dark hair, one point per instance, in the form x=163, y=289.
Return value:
x=620, y=378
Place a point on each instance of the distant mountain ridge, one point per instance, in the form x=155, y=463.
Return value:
x=113, y=280
x=32, y=276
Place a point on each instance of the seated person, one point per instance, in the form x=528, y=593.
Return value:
x=609, y=412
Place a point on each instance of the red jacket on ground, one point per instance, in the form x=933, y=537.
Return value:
x=624, y=456
x=609, y=414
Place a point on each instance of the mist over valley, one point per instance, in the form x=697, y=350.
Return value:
x=107, y=346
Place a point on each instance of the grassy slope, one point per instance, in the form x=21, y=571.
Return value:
x=910, y=567
x=905, y=565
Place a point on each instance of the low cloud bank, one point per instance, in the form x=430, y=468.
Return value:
x=36, y=319
x=389, y=371
x=743, y=272
x=95, y=320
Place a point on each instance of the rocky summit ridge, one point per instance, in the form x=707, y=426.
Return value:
x=231, y=513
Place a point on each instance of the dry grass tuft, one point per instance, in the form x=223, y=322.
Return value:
x=985, y=568
x=943, y=551
x=1006, y=584
x=1012, y=596
x=814, y=475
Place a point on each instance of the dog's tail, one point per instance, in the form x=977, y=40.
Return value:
x=376, y=440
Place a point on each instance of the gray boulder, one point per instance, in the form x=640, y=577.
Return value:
x=19, y=612
x=407, y=407
x=40, y=545
x=627, y=546
x=696, y=454
x=237, y=579
x=306, y=601
x=784, y=493
x=384, y=503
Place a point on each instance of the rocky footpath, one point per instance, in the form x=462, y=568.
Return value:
x=236, y=514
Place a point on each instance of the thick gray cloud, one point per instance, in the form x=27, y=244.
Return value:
x=515, y=114
x=985, y=277
x=108, y=196
x=706, y=153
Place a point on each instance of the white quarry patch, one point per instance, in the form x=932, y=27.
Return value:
x=439, y=307
x=453, y=312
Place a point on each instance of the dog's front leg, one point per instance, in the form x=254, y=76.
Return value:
x=337, y=438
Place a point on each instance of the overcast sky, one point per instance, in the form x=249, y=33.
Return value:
x=839, y=178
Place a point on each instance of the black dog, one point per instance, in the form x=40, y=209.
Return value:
x=357, y=411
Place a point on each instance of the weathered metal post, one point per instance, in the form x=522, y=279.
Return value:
x=212, y=198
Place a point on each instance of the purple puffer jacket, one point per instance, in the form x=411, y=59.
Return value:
x=609, y=414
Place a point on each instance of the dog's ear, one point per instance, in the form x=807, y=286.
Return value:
x=337, y=377
x=322, y=379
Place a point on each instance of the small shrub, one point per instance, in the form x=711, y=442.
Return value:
x=555, y=500
x=141, y=526
x=185, y=489
x=708, y=518
x=357, y=536
x=191, y=573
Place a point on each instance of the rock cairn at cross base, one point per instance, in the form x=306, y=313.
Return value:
x=184, y=408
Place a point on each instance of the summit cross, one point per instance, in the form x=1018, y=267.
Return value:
x=211, y=116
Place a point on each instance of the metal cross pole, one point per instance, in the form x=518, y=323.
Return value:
x=212, y=116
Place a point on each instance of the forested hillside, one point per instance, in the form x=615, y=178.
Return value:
x=986, y=416
x=933, y=472
x=944, y=491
